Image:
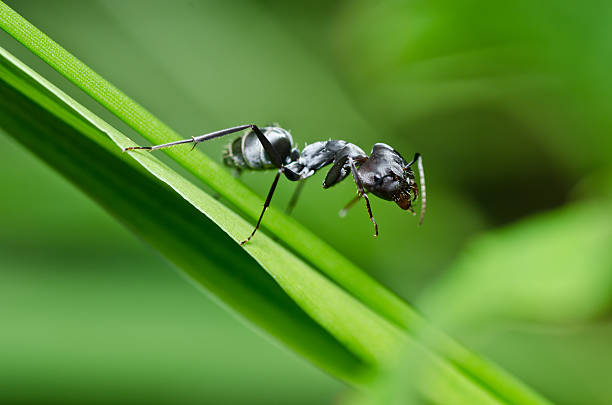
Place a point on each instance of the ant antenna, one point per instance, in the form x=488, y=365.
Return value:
x=423, y=191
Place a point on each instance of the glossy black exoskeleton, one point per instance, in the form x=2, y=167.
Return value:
x=384, y=173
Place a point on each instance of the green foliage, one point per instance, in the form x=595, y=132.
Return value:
x=350, y=329
x=539, y=287
x=218, y=179
x=512, y=99
x=508, y=103
x=572, y=282
x=159, y=215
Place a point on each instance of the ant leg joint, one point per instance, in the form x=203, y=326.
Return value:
x=195, y=142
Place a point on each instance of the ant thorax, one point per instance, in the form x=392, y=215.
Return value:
x=320, y=154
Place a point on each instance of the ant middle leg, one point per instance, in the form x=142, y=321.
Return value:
x=295, y=197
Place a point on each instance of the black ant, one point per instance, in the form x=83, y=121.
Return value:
x=384, y=173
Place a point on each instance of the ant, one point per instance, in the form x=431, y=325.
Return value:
x=384, y=173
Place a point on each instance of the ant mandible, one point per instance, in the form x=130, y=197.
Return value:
x=384, y=173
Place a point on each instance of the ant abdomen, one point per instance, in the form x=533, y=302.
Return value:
x=247, y=152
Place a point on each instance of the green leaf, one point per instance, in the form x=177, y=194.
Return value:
x=536, y=296
x=351, y=328
x=552, y=268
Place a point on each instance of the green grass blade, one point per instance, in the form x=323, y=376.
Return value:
x=91, y=161
x=353, y=339
x=365, y=333
x=300, y=240
x=362, y=325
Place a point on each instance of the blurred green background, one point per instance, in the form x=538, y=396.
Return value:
x=509, y=103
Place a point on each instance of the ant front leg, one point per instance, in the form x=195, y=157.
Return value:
x=361, y=193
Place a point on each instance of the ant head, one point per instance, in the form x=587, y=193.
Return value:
x=388, y=176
